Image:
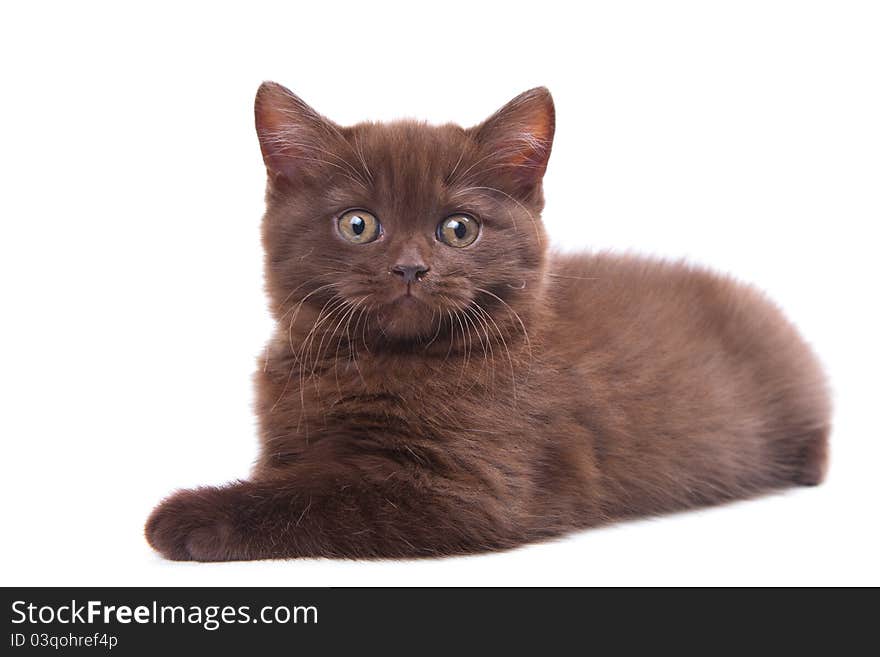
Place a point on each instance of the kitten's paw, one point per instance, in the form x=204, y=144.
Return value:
x=191, y=525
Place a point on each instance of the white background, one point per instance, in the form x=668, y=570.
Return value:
x=743, y=135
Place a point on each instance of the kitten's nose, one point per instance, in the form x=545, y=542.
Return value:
x=410, y=273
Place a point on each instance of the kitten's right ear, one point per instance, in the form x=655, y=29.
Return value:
x=290, y=131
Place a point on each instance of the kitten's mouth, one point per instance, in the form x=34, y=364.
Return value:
x=406, y=315
x=408, y=294
x=407, y=298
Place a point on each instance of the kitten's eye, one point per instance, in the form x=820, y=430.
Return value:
x=359, y=226
x=458, y=230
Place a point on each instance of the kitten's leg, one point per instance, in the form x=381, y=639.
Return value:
x=264, y=520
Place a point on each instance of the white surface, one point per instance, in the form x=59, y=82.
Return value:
x=745, y=137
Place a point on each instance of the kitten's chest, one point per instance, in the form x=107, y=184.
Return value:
x=421, y=397
x=387, y=412
x=390, y=397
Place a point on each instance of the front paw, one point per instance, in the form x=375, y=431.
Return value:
x=193, y=525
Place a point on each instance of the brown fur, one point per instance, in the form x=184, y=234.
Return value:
x=521, y=395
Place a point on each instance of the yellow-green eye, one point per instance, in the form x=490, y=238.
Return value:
x=458, y=230
x=359, y=226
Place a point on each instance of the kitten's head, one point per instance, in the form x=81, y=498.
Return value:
x=418, y=229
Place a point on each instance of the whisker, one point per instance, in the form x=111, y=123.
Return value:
x=576, y=278
x=506, y=349
x=472, y=322
x=516, y=315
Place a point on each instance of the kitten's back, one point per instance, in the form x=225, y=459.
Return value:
x=686, y=376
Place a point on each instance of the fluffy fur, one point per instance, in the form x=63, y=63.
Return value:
x=509, y=394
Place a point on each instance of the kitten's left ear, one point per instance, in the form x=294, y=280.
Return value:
x=516, y=140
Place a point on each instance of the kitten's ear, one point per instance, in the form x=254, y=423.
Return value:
x=516, y=140
x=291, y=133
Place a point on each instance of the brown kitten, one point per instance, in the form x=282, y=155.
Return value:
x=439, y=383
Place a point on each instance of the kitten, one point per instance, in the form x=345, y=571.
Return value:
x=439, y=383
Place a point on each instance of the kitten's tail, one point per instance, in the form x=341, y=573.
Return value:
x=811, y=465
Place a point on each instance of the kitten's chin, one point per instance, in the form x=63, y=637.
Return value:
x=406, y=318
